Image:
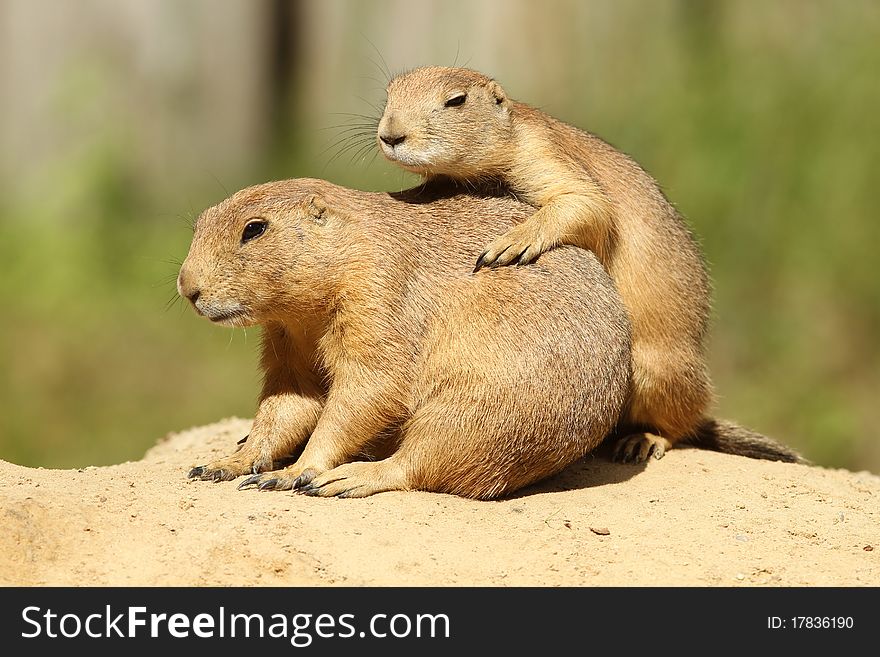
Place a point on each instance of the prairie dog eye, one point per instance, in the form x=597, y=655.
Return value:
x=253, y=229
x=456, y=100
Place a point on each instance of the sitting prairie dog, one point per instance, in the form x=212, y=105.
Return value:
x=458, y=123
x=379, y=340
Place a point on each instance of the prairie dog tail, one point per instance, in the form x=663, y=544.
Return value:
x=730, y=438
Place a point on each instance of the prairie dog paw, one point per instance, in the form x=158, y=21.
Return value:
x=243, y=462
x=636, y=448
x=293, y=477
x=520, y=245
x=358, y=479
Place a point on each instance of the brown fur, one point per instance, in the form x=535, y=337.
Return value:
x=378, y=340
x=589, y=195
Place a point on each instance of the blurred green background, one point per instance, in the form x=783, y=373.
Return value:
x=122, y=119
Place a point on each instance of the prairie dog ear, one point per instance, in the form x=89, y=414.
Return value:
x=316, y=209
x=496, y=91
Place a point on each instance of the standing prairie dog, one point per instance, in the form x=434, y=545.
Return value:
x=458, y=123
x=379, y=340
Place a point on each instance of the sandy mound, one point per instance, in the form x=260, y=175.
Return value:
x=693, y=518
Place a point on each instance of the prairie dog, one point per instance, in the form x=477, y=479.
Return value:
x=461, y=124
x=380, y=341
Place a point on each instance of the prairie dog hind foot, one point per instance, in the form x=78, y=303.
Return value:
x=358, y=479
x=637, y=447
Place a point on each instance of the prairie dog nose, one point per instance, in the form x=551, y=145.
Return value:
x=186, y=288
x=391, y=130
x=392, y=139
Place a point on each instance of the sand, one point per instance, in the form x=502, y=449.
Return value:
x=693, y=518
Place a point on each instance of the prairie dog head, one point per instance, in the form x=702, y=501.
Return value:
x=252, y=257
x=445, y=121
